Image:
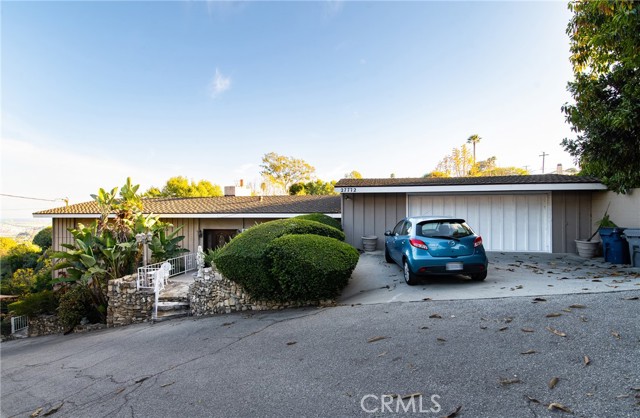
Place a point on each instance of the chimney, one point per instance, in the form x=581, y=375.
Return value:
x=559, y=169
x=241, y=183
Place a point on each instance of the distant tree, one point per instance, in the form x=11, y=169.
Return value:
x=353, y=175
x=21, y=256
x=457, y=164
x=436, y=174
x=474, y=139
x=485, y=165
x=43, y=238
x=503, y=171
x=392, y=175
x=6, y=244
x=181, y=187
x=571, y=171
x=317, y=187
x=605, y=45
x=285, y=171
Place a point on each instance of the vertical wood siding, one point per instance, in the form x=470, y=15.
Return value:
x=371, y=214
x=571, y=220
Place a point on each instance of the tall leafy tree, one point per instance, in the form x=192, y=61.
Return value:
x=285, y=171
x=474, y=139
x=605, y=48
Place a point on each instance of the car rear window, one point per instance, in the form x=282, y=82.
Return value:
x=455, y=229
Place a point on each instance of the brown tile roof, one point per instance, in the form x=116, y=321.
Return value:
x=466, y=181
x=218, y=205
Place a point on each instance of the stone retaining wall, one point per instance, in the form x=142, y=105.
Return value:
x=50, y=324
x=127, y=305
x=215, y=294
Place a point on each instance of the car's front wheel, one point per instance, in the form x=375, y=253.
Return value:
x=409, y=277
x=479, y=276
x=387, y=256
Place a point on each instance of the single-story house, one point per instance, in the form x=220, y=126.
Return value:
x=533, y=213
x=205, y=221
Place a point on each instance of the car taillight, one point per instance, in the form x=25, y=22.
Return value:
x=477, y=242
x=418, y=244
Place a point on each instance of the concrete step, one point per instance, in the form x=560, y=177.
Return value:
x=167, y=315
x=164, y=306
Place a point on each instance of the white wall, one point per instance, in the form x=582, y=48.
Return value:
x=624, y=209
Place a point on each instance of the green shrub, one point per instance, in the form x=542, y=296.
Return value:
x=45, y=302
x=323, y=219
x=311, y=267
x=5, y=326
x=243, y=259
x=74, y=306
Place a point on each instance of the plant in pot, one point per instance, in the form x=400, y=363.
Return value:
x=588, y=248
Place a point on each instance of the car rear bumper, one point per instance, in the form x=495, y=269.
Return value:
x=476, y=263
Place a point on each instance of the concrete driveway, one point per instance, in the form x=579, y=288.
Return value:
x=510, y=274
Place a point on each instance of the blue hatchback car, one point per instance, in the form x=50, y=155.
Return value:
x=424, y=245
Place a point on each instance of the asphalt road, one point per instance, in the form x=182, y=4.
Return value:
x=328, y=362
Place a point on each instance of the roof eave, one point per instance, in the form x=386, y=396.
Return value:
x=190, y=215
x=530, y=187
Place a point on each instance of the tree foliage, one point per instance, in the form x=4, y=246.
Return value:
x=317, y=187
x=285, y=171
x=6, y=244
x=43, y=238
x=181, y=187
x=353, y=175
x=459, y=164
x=605, y=47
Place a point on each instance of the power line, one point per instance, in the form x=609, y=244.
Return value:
x=64, y=199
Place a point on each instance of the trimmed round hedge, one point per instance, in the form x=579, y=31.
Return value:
x=323, y=219
x=311, y=267
x=244, y=261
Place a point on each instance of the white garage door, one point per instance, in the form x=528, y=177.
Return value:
x=506, y=222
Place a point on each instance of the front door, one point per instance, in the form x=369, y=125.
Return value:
x=216, y=238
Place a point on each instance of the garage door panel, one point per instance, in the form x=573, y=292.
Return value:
x=505, y=222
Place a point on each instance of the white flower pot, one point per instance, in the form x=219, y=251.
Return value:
x=369, y=243
x=587, y=249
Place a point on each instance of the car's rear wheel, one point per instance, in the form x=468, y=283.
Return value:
x=387, y=257
x=409, y=277
x=479, y=276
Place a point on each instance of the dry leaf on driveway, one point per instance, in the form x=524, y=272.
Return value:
x=555, y=331
x=587, y=360
x=559, y=406
x=553, y=315
x=553, y=382
x=577, y=306
x=36, y=412
x=539, y=300
x=435, y=316
x=292, y=342
x=616, y=334
x=503, y=328
x=441, y=339
x=374, y=339
x=505, y=382
x=529, y=352
x=527, y=330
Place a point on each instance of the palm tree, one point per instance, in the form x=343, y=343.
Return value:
x=474, y=139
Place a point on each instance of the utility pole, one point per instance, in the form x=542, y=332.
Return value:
x=544, y=154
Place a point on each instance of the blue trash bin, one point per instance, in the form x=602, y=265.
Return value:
x=633, y=238
x=614, y=246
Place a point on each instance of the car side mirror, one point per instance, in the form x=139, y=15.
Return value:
x=387, y=233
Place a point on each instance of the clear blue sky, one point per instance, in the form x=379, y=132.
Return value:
x=93, y=92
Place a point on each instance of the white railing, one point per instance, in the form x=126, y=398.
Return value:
x=18, y=323
x=171, y=267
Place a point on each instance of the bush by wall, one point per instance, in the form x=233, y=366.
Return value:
x=42, y=303
x=74, y=305
x=311, y=267
x=323, y=219
x=244, y=261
